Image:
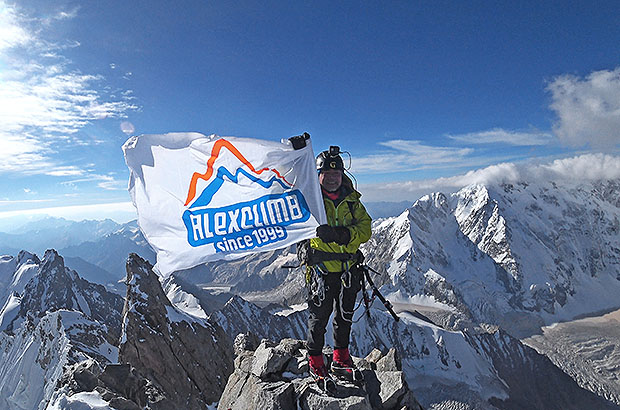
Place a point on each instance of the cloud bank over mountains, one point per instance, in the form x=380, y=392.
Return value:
x=586, y=167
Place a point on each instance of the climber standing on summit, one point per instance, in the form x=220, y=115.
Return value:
x=333, y=279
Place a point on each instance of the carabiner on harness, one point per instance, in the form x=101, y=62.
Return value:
x=315, y=284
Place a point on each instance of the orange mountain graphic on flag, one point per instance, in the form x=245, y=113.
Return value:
x=215, y=152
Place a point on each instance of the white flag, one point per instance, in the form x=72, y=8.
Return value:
x=202, y=198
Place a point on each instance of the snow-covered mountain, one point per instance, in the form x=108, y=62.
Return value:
x=97, y=249
x=515, y=255
x=52, y=319
x=67, y=343
x=482, y=367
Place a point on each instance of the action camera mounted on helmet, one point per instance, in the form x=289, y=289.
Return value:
x=327, y=160
x=334, y=150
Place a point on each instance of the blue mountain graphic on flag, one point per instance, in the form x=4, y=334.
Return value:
x=214, y=186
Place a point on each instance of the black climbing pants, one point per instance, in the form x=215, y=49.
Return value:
x=339, y=296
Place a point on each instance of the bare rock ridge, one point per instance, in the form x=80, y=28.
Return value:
x=187, y=360
x=166, y=358
x=275, y=376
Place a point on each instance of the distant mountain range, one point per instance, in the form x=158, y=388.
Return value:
x=97, y=249
x=39, y=235
x=471, y=273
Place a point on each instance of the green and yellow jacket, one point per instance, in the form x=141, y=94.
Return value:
x=348, y=212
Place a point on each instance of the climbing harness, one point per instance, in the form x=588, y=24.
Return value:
x=313, y=259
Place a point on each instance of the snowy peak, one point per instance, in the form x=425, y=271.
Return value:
x=545, y=251
x=16, y=272
x=54, y=320
x=479, y=218
x=240, y=316
x=145, y=296
x=54, y=287
x=436, y=200
x=24, y=257
x=549, y=236
x=132, y=231
x=110, y=252
x=50, y=289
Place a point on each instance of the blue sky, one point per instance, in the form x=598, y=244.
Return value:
x=422, y=94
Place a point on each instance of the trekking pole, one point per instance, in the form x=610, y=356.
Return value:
x=376, y=292
x=365, y=297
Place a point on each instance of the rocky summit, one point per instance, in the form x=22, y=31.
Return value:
x=272, y=375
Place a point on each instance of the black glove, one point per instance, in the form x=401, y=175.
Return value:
x=343, y=235
x=338, y=234
x=326, y=233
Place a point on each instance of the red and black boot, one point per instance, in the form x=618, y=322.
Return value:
x=321, y=376
x=344, y=368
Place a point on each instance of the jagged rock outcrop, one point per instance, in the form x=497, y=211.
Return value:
x=167, y=358
x=275, y=376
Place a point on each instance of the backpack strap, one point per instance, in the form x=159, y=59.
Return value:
x=351, y=209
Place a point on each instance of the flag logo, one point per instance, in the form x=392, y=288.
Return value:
x=240, y=226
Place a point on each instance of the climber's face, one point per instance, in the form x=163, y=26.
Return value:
x=330, y=179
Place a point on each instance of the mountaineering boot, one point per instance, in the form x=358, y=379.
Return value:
x=318, y=371
x=343, y=367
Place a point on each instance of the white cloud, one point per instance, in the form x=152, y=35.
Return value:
x=111, y=184
x=53, y=104
x=43, y=102
x=106, y=182
x=588, y=109
x=417, y=148
x=499, y=135
x=587, y=167
x=408, y=155
x=12, y=34
x=64, y=171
